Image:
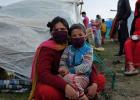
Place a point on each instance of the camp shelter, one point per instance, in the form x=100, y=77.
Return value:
x=23, y=28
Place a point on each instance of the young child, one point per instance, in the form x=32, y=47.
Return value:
x=95, y=25
x=76, y=61
x=98, y=31
x=103, y=30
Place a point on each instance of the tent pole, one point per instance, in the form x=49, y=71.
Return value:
x=81, y=3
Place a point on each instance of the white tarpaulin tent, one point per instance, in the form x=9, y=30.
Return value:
x=130, y=19
x=23, y=28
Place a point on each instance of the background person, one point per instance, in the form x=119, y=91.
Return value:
x=120, y=24
x=85, y=20
x=132, y=45
x=103, y=30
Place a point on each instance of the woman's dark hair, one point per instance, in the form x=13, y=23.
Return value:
x=57, y=20
x=77, y=26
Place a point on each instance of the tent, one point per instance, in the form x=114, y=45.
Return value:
x=108, y=25
x=23, y=28
x=130, y=19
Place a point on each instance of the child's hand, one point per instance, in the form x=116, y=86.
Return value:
x=92, y=90
x=63, y=71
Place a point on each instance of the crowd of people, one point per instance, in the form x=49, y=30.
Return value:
x=63, y=66
x=98, y=27
x=129, y=45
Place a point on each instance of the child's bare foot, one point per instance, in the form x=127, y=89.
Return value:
x=84, y=97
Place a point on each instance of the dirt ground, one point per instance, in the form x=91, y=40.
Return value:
x=126, y=87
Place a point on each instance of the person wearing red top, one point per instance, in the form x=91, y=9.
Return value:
x=85, y=20
x=46, y=84
x=132, y=45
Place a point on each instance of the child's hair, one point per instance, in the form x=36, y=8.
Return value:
x=98, y=16
x=77, y=26
x=103, y=20
x=57, y=20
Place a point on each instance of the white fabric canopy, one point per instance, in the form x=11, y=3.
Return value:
x=23, y=28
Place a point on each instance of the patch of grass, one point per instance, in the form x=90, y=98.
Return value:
x=14, y=96
x=128, y=85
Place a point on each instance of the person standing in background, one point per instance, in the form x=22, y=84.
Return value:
x=85, y=20
x=103, y=30
x=123, y=13
x=98, y=31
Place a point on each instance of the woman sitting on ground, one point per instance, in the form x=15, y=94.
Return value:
x=46, y=84
x=132, y=45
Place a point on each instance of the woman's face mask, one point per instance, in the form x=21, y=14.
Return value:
x=78, y=42
x=60, y=36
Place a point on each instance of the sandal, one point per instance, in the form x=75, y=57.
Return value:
x=131, y=72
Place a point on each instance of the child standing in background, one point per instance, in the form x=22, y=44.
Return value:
x=103, y=30
x=98, y=31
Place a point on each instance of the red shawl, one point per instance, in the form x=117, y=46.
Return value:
x=49, y=44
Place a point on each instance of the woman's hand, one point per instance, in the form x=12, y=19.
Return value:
x=92, y=91
x=135, y=37
x=70, y=93
x=63, y=71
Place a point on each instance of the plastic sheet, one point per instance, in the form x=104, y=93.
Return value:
x=23, y=28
